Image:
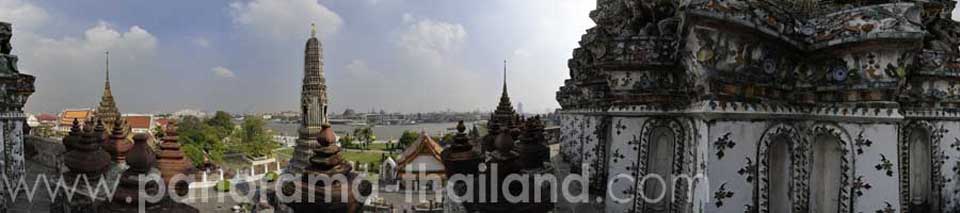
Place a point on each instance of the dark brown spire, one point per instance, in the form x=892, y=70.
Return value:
x=504, y=116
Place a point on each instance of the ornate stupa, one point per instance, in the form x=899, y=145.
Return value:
x=171, y=160
x=532, y=147
x=140, y=161
x=462, y=159
x=313, y=104
x=107, y=111
x=327, y=162
x=117, y=145
x=85, y=157
x=86, y=164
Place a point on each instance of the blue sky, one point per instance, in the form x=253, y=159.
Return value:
x=247, y=55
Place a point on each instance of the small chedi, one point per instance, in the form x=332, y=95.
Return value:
x=140, y=161
x=172, y=161
x=118, y=145
x=86, y=163
x=462, y=159
x=328, y=179
x=784, y=106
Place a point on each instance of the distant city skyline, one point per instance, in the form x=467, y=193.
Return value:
x=246, y=56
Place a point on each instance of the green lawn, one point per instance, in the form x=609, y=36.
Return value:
x=369, y=158
x=377, y=146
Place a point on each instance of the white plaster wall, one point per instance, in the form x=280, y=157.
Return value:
x=569, y=137
x=746, y=135
x=883, y=139
x=622, y=162
x=950, y=146
x=589, y=140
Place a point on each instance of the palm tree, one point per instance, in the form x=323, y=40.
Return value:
x=365, y=135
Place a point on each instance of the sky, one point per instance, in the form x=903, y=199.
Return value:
x=247, y=55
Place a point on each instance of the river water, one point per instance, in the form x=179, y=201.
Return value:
x=383, y=133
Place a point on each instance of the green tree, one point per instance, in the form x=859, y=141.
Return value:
x=222, y=122
x=198, y=139
x=407, y=138
x=365, y=136
x=447, y=139
x=253, y=138
x=347, y=141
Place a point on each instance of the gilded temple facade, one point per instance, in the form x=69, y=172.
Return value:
x=781, y=106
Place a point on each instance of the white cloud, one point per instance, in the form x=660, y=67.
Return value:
x=359, y=69
x=201, y=42
x=955, y=14
x=282, y=20
x=431, y=37
x=69, y=69
x=223, y=72
x=23, y=15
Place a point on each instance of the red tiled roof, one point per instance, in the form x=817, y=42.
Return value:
x=138, y=121
x=46, y=117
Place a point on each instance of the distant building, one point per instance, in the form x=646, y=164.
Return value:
x=32, y=121
x=189, y=112
x=139, y=123
x=68, y=115
x=47, y=119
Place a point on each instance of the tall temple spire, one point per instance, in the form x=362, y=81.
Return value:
x=313, y=103
x=504, y=116
x=504, y=78
x=107, y=110
x=108, y=67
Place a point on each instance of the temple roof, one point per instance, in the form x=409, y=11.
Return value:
x=68, y=115
x=423, y=146
x=138, y=121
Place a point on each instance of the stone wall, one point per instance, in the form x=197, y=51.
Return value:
x=730, y=147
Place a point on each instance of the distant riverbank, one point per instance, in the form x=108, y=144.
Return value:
x=383, y=133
